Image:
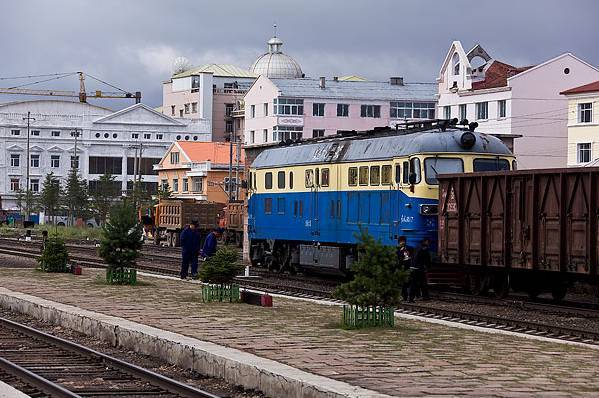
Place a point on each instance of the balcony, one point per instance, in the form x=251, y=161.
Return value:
x=290, y=120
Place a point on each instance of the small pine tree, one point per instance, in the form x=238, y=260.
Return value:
x=76, y=195
x=55, y=256
x=377, y=277
x=221, y=268
x=106, y=192
x=121, y=238
x=50, y=196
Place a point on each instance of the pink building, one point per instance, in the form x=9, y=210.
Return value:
x=509, y=101
x=211, y=92
x=281, y=109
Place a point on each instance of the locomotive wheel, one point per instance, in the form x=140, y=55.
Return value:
x=501, y=284
x=478, y=285
x=558, y=291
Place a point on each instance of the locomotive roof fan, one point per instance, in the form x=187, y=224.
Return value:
x=467, y=140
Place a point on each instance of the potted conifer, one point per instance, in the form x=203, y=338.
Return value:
x=218, y=273
x=121, y=243
x=375, y=289
x=54, y=256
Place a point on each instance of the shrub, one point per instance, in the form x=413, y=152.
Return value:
x=221, y=268
x=55, y=256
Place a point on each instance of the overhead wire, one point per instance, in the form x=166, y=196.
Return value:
x=32, y=76
x=41, y=81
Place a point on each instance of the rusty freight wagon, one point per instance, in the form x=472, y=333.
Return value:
x=233, y=222
x=172, y=215
x=533, y=230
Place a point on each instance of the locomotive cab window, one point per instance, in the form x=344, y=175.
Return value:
x=309, y=178
x=363, y=175
x=281, y=180
x=487, y=164
x=406, y=173
x=375, y=175
x=397, y=174
x=386, y=176
x=317, y=175
x=352, y=176
x=436, y=166
x=268, y=180
x=291, y=180
x=324, y=177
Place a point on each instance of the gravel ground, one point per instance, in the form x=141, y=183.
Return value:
x=8, y=261
x=213, y=385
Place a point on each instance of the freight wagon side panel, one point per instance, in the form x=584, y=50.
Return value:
x=495, y=201
x=472, y=215
x=520, y=222
x=578, y=223
x=549, y=239
x=449, y=228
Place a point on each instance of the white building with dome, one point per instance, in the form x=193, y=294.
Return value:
x=276, y=64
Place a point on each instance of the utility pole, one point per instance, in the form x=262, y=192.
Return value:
x=229, y=187
x=27, y=193
x=238, y=158
x=74, y=165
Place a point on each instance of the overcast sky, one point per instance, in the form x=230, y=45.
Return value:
x=132, y=43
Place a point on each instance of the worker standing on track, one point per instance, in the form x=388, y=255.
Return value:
x=210, y=243
x=422, y=263
x=190, y=245
x=404, y=262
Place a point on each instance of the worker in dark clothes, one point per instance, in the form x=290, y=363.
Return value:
x=210, y=243
x=420, y=265
x=190, y=245
x=404, y=262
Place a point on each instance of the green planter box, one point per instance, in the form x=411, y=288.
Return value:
x=47, y=267
x=124, y=276
x=222, y=293
x=371, y=316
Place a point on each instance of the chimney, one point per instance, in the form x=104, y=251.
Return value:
x=335, y=78
x=396, y=81
x=322, y=82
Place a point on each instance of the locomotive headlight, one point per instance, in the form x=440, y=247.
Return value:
x=429, y=210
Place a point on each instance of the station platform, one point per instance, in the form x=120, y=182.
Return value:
x=303, y=341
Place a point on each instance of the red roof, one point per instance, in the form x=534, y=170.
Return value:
x=497, y=75
x=587, y=88
x=215, y=152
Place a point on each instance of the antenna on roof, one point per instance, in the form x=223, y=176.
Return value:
x=274, y=26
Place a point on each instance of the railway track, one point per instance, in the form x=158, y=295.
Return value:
x=42, y=365
x=289, y=285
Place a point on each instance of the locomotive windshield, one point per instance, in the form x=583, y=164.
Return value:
x=491, y=165
x=436, y=166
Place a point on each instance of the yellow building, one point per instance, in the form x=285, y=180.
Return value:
x=583, y=124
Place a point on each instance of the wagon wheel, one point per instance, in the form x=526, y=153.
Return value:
x=558, y=291
x=533, y=292
x=477, y=285
x=501, y=284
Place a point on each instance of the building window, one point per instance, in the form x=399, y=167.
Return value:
x=229, y=109
x=352, y=176
x=482, y=110
x=584, y=152
x=281, y=180
x=265, y=135
x=105, y=165
x=197, y=184
x=56, y=134
x=159, y=136
x=252, y=136
x=363, y=176
x=284, y=133
x=135, y=136
x=15, y=160
x=317, y=109
x=55, y=161
x=501, y=108
x=163, y=183
x=175, y=185
x=172, y=110
x=317, y=133
x=185, y=185
x=585, y=112
x=186, y=106
x=174, y=157
x=147, y=136
x=180, y=112
x=462, y=112
x=456, y=64
x=35, y=133
x=342, y=110
x=252, y=111
x=266, y=109
x=15, y=132
x=268, y=180
x=228, y=126
x=15, y=184
x=145, y=166
x=194, y=107
x=195, y=82
x=288, y=106
x=415, y=110
x=35, y=161
x=35, y=185
x=370, y=111
x=75, y=162
x=447, y=112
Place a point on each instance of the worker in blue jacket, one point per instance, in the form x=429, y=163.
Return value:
x=190, y=245
x=210, y=243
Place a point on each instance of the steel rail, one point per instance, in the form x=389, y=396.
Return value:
x=153, y=378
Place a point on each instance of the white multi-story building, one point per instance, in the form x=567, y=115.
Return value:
x=513, y=101
x=107, y=142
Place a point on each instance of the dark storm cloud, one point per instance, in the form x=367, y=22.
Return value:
x=133, y=43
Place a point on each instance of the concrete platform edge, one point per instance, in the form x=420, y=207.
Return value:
x=235, y=366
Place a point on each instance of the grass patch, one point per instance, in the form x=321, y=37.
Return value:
x=100, y=280
x=73, y=233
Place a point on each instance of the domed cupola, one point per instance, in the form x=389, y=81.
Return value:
x=276, y=64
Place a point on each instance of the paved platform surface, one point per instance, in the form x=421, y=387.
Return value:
x=414, y=359
x=7, y=391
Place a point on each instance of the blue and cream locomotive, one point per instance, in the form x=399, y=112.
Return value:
x=308, y=200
